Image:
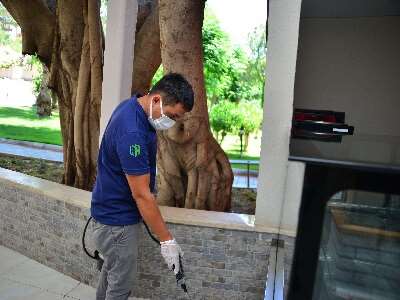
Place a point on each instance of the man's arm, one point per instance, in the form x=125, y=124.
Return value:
x=148, y=206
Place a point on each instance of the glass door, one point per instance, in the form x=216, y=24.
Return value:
x=359, y=253
x=348, y=236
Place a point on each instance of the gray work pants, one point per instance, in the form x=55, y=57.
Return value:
x=119, y=247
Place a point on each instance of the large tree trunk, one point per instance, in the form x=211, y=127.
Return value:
x=147, y=52
x=69, y=41
x=193, y=171
x=68, y=38
x=76, y=76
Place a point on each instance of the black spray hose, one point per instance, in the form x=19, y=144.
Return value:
x=96, y=254
x=180, y=276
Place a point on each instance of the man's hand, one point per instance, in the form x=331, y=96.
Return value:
x=171, y=251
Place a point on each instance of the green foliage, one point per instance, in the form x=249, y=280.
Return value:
x=34, y=62
x=223, y=65
x=238, y=89
x=229, y=118
x=250, y=117
x=5, y=18
x=224, y=117
x=4, y=37
x=10, y=49
x=37, y=83
x=10, y=46
x=230, y=73
x=16, y=44
x=7, y=23
x=9, y=57
x=255, y=71
x=217, y=52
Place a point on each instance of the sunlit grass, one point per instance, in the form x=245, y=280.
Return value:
x=23, y=124
x=231, y=146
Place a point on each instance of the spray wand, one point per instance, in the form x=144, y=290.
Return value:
x=180, y=276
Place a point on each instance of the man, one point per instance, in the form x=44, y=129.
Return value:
x=122, y=194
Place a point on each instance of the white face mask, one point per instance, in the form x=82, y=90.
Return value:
x=163, y=122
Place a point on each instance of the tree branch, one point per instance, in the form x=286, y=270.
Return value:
x=145, y=7
x=147, y=57
x=37, y=24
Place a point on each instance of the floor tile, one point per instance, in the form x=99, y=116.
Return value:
x=9, y=259
x=35, y=274
x=82, y=292
x=10, y=290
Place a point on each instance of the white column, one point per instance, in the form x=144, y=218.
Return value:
x=118, y=56
x=292, y=197
x=283, y=32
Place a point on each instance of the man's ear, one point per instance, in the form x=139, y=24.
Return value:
x=156, y=98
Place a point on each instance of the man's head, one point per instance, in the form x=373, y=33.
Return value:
x=176, y=95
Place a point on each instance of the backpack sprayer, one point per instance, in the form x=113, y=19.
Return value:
x=180, y=276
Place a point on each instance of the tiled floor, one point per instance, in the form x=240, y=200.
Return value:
x=22, y=278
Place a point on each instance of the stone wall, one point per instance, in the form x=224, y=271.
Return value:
x=44, y=221
x=220, y=264
x=45, y=229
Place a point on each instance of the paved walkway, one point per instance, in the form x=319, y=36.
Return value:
x=54, y=153
x=240, y=181
x=27, y=149
x=22, y=278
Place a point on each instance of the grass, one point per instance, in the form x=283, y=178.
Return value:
x=231, y=146
x=233, y=155
x=23, y=124
x=236, y=155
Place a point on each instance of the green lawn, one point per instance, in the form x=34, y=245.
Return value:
x=236, y=155
x=231, y=146
x=23, y=124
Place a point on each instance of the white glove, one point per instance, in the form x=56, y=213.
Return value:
x=170, y=250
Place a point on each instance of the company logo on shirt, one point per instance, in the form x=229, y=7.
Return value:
x=134, y=150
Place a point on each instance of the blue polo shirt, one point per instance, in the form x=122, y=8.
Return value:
x=129, y=146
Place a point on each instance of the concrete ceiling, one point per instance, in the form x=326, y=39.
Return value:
x=349, y=8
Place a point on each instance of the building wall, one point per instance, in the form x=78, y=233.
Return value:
x=44, y=221
x=351, y=65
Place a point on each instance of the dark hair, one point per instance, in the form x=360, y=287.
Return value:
x=174, y=88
